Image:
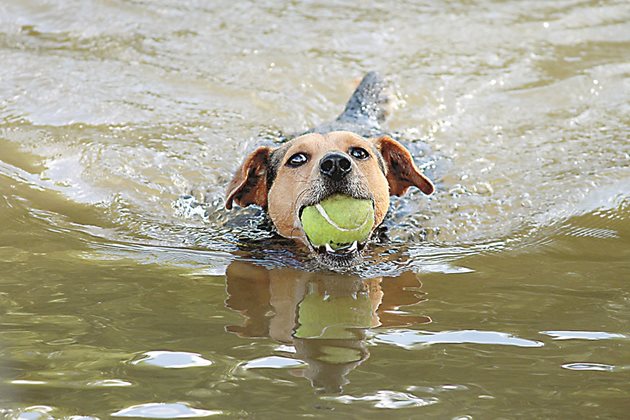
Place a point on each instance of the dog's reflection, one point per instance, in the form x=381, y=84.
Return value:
x=323, y=315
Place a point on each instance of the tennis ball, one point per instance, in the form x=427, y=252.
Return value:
x=338, y=220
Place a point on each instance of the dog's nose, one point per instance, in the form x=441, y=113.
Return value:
x=335, y=165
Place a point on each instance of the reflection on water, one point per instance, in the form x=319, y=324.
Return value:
x=324, y=316
x=172, y=360
x=411, y=339
x=164, y=411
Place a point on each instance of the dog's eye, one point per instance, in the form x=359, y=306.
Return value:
x=297, y=159
x=359, y=153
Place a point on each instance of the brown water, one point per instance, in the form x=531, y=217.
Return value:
x=505, y=295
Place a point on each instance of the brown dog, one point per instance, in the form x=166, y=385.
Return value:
x=314, y=166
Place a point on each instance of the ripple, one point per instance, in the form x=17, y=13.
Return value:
x=285, y=348
x=410, y=339
x=172, y=360
x=35, y=412
x=164, y=411
x=27, y=382
x=274, y=362
x=598, y=367
x=438, y=389
x=109, y=383
x=388, y=399
x=582, y=335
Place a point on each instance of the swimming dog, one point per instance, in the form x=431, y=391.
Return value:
x=349, y=156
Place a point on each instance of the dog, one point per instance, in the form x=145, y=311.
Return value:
x=349, y=156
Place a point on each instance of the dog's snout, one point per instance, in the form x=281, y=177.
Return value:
x=335, y=165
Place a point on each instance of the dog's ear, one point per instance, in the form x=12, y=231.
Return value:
x=400, y=170
x=249, y=185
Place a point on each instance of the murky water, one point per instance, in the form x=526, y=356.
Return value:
x=506, y=294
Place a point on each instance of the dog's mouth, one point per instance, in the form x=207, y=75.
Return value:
x=341, y=256
x=341, y=252
x=348, y=250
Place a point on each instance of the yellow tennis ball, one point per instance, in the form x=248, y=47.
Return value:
x=338, y=221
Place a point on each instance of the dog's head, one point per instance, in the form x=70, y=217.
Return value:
x=312, y=167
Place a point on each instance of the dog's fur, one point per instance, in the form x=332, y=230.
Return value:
x=269, y=179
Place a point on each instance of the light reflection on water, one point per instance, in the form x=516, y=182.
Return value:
x=172, y=360
x=505, y=292
x=164, y=411
x=410, y=339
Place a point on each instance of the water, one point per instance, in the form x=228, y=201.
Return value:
x=503, y=295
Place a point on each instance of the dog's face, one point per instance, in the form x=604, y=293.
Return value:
x=312, y=167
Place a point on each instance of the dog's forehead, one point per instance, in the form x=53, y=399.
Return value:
x=315, y=143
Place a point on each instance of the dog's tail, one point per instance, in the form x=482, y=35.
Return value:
x=370, y=104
